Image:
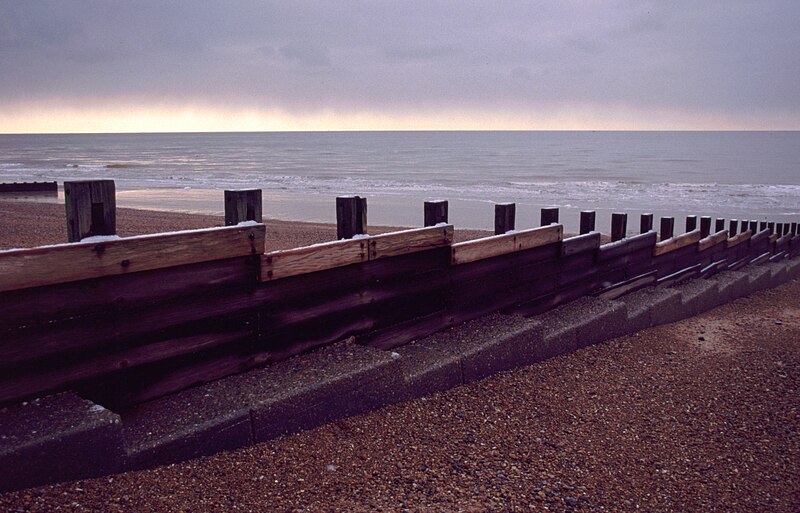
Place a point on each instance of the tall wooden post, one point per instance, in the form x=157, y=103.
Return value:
x=771, y=227
x=435, y=212
x=91, y=208
x=242, y=205
x=645, y=223
x=619, y=226
x=705, y=226
x=587, y=221
x=719, y=225
x=351, y=216
x=549, y=216
x=745, y=225
x=667, y=228
x=504, y=217
x=691, y=223
x=794, y=229
x=733, y=227
x=754, y=226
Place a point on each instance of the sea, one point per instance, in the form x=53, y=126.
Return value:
x=741, y=175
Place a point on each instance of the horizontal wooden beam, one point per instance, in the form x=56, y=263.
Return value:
x=580, y=243
x=487, y=247
x=738, y=239
x=712, y=240
x=409, y=241
x=308, y=259
x=62, y=263
x=626, y=287
x=678, y=242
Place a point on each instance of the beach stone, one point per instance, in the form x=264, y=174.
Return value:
x=489, y=345
x=57, y=438
x=651, y=307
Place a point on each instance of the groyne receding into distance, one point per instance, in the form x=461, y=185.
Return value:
x=134, y=323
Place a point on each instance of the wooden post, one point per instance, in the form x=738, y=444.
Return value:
x=549, y=216
x=619, y=226
x=762, y=226
x=667, y=228
x=733, y=227
x=587, y=221
x=645, y=223
x=242, y=205
x=793, y=231
x=91, y=208
x=771, y=227
x=691, y=223
x=705, y=226
x=754, y=226
x=435, y=212
x=351, y=216
x=504, y=217
x=745, y=225
x=719, y=225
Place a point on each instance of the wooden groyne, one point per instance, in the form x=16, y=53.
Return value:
x=127, y=320
x=29, y=187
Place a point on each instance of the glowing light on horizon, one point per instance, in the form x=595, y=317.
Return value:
x=55, y=118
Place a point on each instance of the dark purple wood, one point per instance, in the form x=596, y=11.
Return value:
x=667, y=228
x=549, y=216
x=587, y=222
x=504, y=217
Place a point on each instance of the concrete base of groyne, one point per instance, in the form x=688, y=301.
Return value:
x=64, y=437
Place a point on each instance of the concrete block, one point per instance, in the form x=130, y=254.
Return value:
x=651, y=307
x=583, y=322
x=732, y=285
x=779, y=273
x=427, y=370
x=333, y=382
x=697, y=296
x=760, y=277
x=489, y=345
x=57, y=438
x=793, y=268
x=196, y=422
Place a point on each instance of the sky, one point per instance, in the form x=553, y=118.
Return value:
x=152, y=66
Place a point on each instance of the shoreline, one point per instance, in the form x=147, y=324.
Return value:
x=26, y=224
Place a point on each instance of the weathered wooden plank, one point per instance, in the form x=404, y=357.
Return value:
x=738, y=239
x=782, y=241
x=712, y=240
x=580, y=244
x=126, y=292
x=626, y=287
x=777, y=257
x=435, y=212
x=674, y=243
x=760, y=258
x=29, y=187
x=479, y=249
x=713, y=268
x=760, y=236
x=309, y=259
x=399, y=334
x=409, y=241
x=622, y=247
x=242, y=205
x=48, y=265
x=91, y=208
x=680, y=276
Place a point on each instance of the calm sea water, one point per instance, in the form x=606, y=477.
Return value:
x=754, y=175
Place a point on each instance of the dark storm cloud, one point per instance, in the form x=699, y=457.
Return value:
x=730, y=56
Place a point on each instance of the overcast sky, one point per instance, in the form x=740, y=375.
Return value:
x=179, y=65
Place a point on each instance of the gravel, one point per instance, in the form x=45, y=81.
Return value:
x=656, y=421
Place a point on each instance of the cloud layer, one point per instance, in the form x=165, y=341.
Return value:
x=731, y=61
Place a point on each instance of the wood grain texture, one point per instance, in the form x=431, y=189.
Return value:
x=626, y=287
x=678, y=242
x=409, y=241
x=49, y=265
x=712, y=240
x=580, y=244
x=479, y=249
x=738, y=239
x=309, y=259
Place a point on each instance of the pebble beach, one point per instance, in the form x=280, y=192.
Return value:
x=699, y=415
